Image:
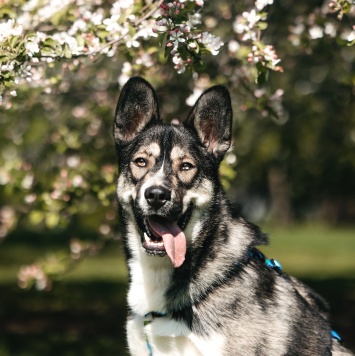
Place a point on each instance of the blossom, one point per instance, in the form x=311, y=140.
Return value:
x=33, y=274
x=51, y=8
x=330, y=30
x=266, y=56
x=252, y=18
x=180, y=64
x=260, y=4
x=120, y=5
x=315, y=32
x=176, y=37
x=32, y=47
x=9, y=29
x=351, y=36
x=78, y=25
x=212, y=43
x=245, y=25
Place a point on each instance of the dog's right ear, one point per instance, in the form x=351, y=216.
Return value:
x=137, y=108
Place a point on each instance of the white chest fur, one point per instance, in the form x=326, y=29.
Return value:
x=149, y=283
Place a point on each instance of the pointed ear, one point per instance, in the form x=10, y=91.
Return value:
x=137, y=108
x=211, y=120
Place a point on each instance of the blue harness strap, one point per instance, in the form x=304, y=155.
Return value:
x=271, y=263
x=336, y=336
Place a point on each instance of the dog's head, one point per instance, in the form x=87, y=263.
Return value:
x=167, y=173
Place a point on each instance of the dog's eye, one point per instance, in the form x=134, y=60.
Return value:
x=140, y=162
x=186, y=166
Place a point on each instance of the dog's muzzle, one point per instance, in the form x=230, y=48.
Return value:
x=163, y=234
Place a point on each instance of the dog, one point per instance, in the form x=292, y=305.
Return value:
x=197, y=283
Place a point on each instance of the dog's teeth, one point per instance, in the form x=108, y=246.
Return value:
x=150, y=242
x=147, y=228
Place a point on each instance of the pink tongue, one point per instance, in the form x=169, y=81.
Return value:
x=173, y=238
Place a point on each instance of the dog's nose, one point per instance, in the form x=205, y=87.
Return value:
x=157, y=196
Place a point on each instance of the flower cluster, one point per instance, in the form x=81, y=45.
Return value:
x=33, y=275
x=265, y=56
x=90, y=29
x=186, y=43
x=248, y=27
x=319, y=24
x=90, y=32
x=342, y=7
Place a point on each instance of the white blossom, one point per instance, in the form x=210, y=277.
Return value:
x=260, y=4
x=9, y=29
x=180, y=65
x=233, y=46
x=212, y=43
x=252, y=17
x=176, y=37
x=32, y=47
x=78, y=25
x=51, y=8
x=330, y=30
x=315, y=32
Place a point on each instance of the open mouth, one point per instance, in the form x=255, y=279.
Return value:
x=164, y=237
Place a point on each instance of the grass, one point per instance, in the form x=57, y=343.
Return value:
x=313, y=251
x=85, y=312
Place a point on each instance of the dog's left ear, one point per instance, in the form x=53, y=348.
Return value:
x=137, y=108
x=211, y=120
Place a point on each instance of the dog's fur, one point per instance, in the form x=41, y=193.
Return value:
x=213, y=298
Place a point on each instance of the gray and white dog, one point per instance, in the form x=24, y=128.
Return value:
x=198, y=286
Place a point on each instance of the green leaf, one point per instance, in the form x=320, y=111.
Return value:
x=162, y=38
x=50, y=42
x=8, y=11
x=262, y=26
x=183, y=52
x=103, y=34
x=80, y=40
x=57, y=17
x=14, y=41
x=66, y=51
x=346, y=7
x=167, y=51
x=5, y=74
x=262, y=74
x=199, y=65
x=46, y=51
x=30, y=35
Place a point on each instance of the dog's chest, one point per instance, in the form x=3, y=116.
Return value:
x=149, y=283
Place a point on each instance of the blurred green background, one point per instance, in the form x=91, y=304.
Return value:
x=293, y=174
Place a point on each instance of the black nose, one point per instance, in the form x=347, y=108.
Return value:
x=157, y=196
